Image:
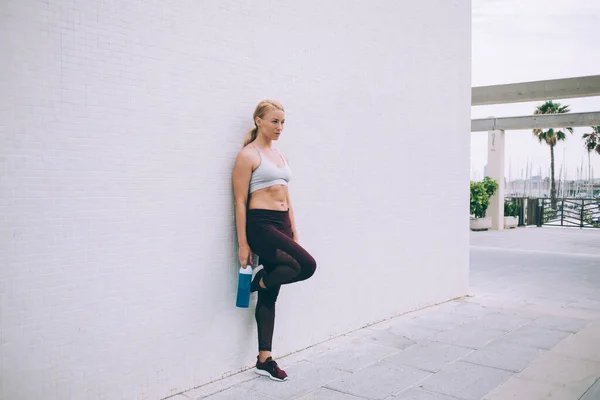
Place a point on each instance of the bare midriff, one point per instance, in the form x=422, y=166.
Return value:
x=269, y=198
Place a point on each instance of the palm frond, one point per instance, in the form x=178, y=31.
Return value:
x=551, y=136
x=561, y=135
x=592, y=140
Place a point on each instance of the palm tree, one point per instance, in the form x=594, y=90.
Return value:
x=592, y=143
x=551, y=137
x=592, y=140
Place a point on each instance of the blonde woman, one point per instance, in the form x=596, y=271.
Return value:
x=265, y=225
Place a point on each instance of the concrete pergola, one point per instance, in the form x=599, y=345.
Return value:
x=586, y=86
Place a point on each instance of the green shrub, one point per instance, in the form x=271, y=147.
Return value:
x=511, y=208
x=480, y=196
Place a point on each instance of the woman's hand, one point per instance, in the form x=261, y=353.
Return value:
x=245, y=255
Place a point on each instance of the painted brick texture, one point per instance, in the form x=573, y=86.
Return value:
x=119, y=124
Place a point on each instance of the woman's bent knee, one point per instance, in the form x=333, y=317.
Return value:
x=309, y=268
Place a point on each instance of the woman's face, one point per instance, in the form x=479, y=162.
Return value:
x=271, y=124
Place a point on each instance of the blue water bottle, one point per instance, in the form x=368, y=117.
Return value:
x=243, y=292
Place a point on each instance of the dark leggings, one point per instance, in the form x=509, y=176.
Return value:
x=269, y=235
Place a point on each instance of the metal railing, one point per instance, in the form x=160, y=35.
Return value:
x=570, y=212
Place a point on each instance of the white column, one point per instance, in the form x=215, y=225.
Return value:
x=495, y=171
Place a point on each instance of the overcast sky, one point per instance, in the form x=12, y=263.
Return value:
x=526, y=40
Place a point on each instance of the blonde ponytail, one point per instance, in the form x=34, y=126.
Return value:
x=251, y=136
x=261, y=109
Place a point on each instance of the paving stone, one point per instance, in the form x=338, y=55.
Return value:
x=386, y=338
x=594, y=326
x=379, y=381
x=501, y=321
x=237, y=393
x=509, y=306
x=567, y=312
x=517, y=389
x=464, y=308
x=354, y=355
x=429, y=355
x=536, y=337
x=505, y=355
x=360, y=333
x=561, y=323
x=468, y=335
x=465, y=381
x=551, y=291
x=304, y=377
x=592, y=393
x=220, y=385
x=557, y=369
x=547, y=306
x=386, y=324
x=315, y=351
x=412, y=331
x=585, y=344
x=588, y=304
x=415, y=394
x=440, y=321
x=522, y=312
x=328, y=394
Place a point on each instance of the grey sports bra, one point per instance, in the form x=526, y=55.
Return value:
x=269, y=174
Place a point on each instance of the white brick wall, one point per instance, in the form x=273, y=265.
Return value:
x=119, y=124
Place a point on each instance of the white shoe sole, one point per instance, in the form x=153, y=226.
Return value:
x=255, y=271
x=265, y=373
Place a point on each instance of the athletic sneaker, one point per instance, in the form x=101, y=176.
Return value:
x=255, y=285
x=271, y=369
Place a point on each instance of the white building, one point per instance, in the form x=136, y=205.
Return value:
x=119, y=126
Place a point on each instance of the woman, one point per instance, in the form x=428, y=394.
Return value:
x=265, y=225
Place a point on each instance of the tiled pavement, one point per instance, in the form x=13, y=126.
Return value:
x=529, y=330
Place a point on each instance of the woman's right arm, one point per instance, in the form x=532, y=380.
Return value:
x=242, y=171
